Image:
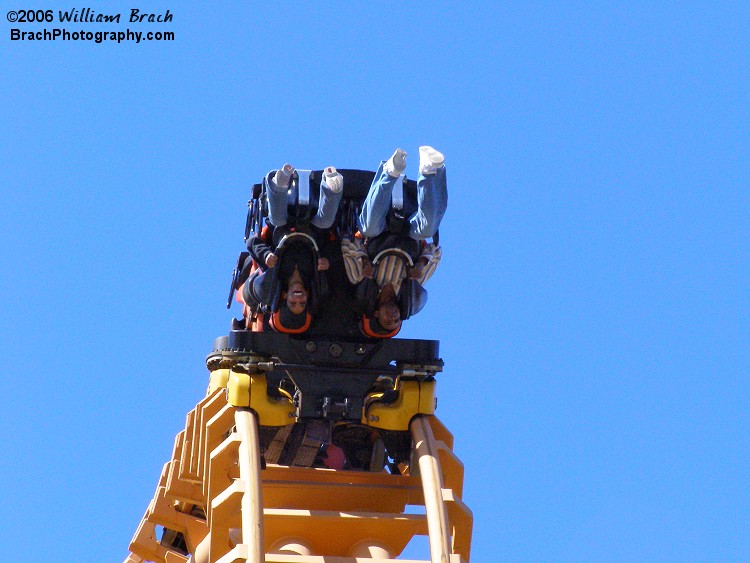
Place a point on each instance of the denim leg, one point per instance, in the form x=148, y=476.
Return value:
x=328, y=206
x=277, y=202
x=372, y=219
x=432, y=201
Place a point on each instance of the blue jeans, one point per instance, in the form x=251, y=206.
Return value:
x=432, y=201
x=328, y=204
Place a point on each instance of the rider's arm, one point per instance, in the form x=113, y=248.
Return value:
x=427, y=262
x=260, y=250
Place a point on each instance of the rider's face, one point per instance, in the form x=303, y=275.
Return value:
x=388, y=316
x=296, y=298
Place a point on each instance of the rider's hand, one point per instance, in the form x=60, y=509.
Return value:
x=271, y=260
x=367, y=270
x=323, y=264
x=418, y=268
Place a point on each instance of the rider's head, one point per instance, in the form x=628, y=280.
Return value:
x=296, y=297
x=292, y=316
x=385, y=320
x=388, y=315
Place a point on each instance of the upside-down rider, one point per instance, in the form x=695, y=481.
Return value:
x=390, y=268
x=286, y=256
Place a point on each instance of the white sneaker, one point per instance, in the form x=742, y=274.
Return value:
x=429, y=160
x=334, y=180
x=281, y=179
x=396, y=164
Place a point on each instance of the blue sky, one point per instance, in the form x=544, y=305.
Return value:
x=592, y=302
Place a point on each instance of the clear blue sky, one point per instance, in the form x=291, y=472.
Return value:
x=592, y=304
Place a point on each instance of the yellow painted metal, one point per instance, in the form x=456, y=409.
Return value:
x=414, y=397
x=252, y=499
x=218, y=427
x=460, y=517
x=164, y=512
x=226, y=513
x=208, y=408
x=461, y=521
x=327, y=516
x=247, y=390
x=218, y=380
x=432, y=485
x=355, y=491
x=275, y=558
x=335, y=533
x=239, y=385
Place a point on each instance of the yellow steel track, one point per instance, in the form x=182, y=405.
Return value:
x=223, y=507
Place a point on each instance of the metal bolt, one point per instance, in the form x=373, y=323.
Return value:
x=335, y=350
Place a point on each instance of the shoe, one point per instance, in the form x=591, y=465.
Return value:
x=429, y=160
x=283, y=175
x=396, y=164
x=334, y=180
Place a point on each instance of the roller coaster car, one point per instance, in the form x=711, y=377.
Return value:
x=332, y=384
x=330, y=301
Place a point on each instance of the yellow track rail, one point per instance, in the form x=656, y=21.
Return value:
x=214, y=495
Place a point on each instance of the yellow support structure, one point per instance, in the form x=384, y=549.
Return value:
x=246, y=390
x=221, y=505
x=414, y=398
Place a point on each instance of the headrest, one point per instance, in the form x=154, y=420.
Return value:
x=287, y=322
x=372, y=328
x=412, y=299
